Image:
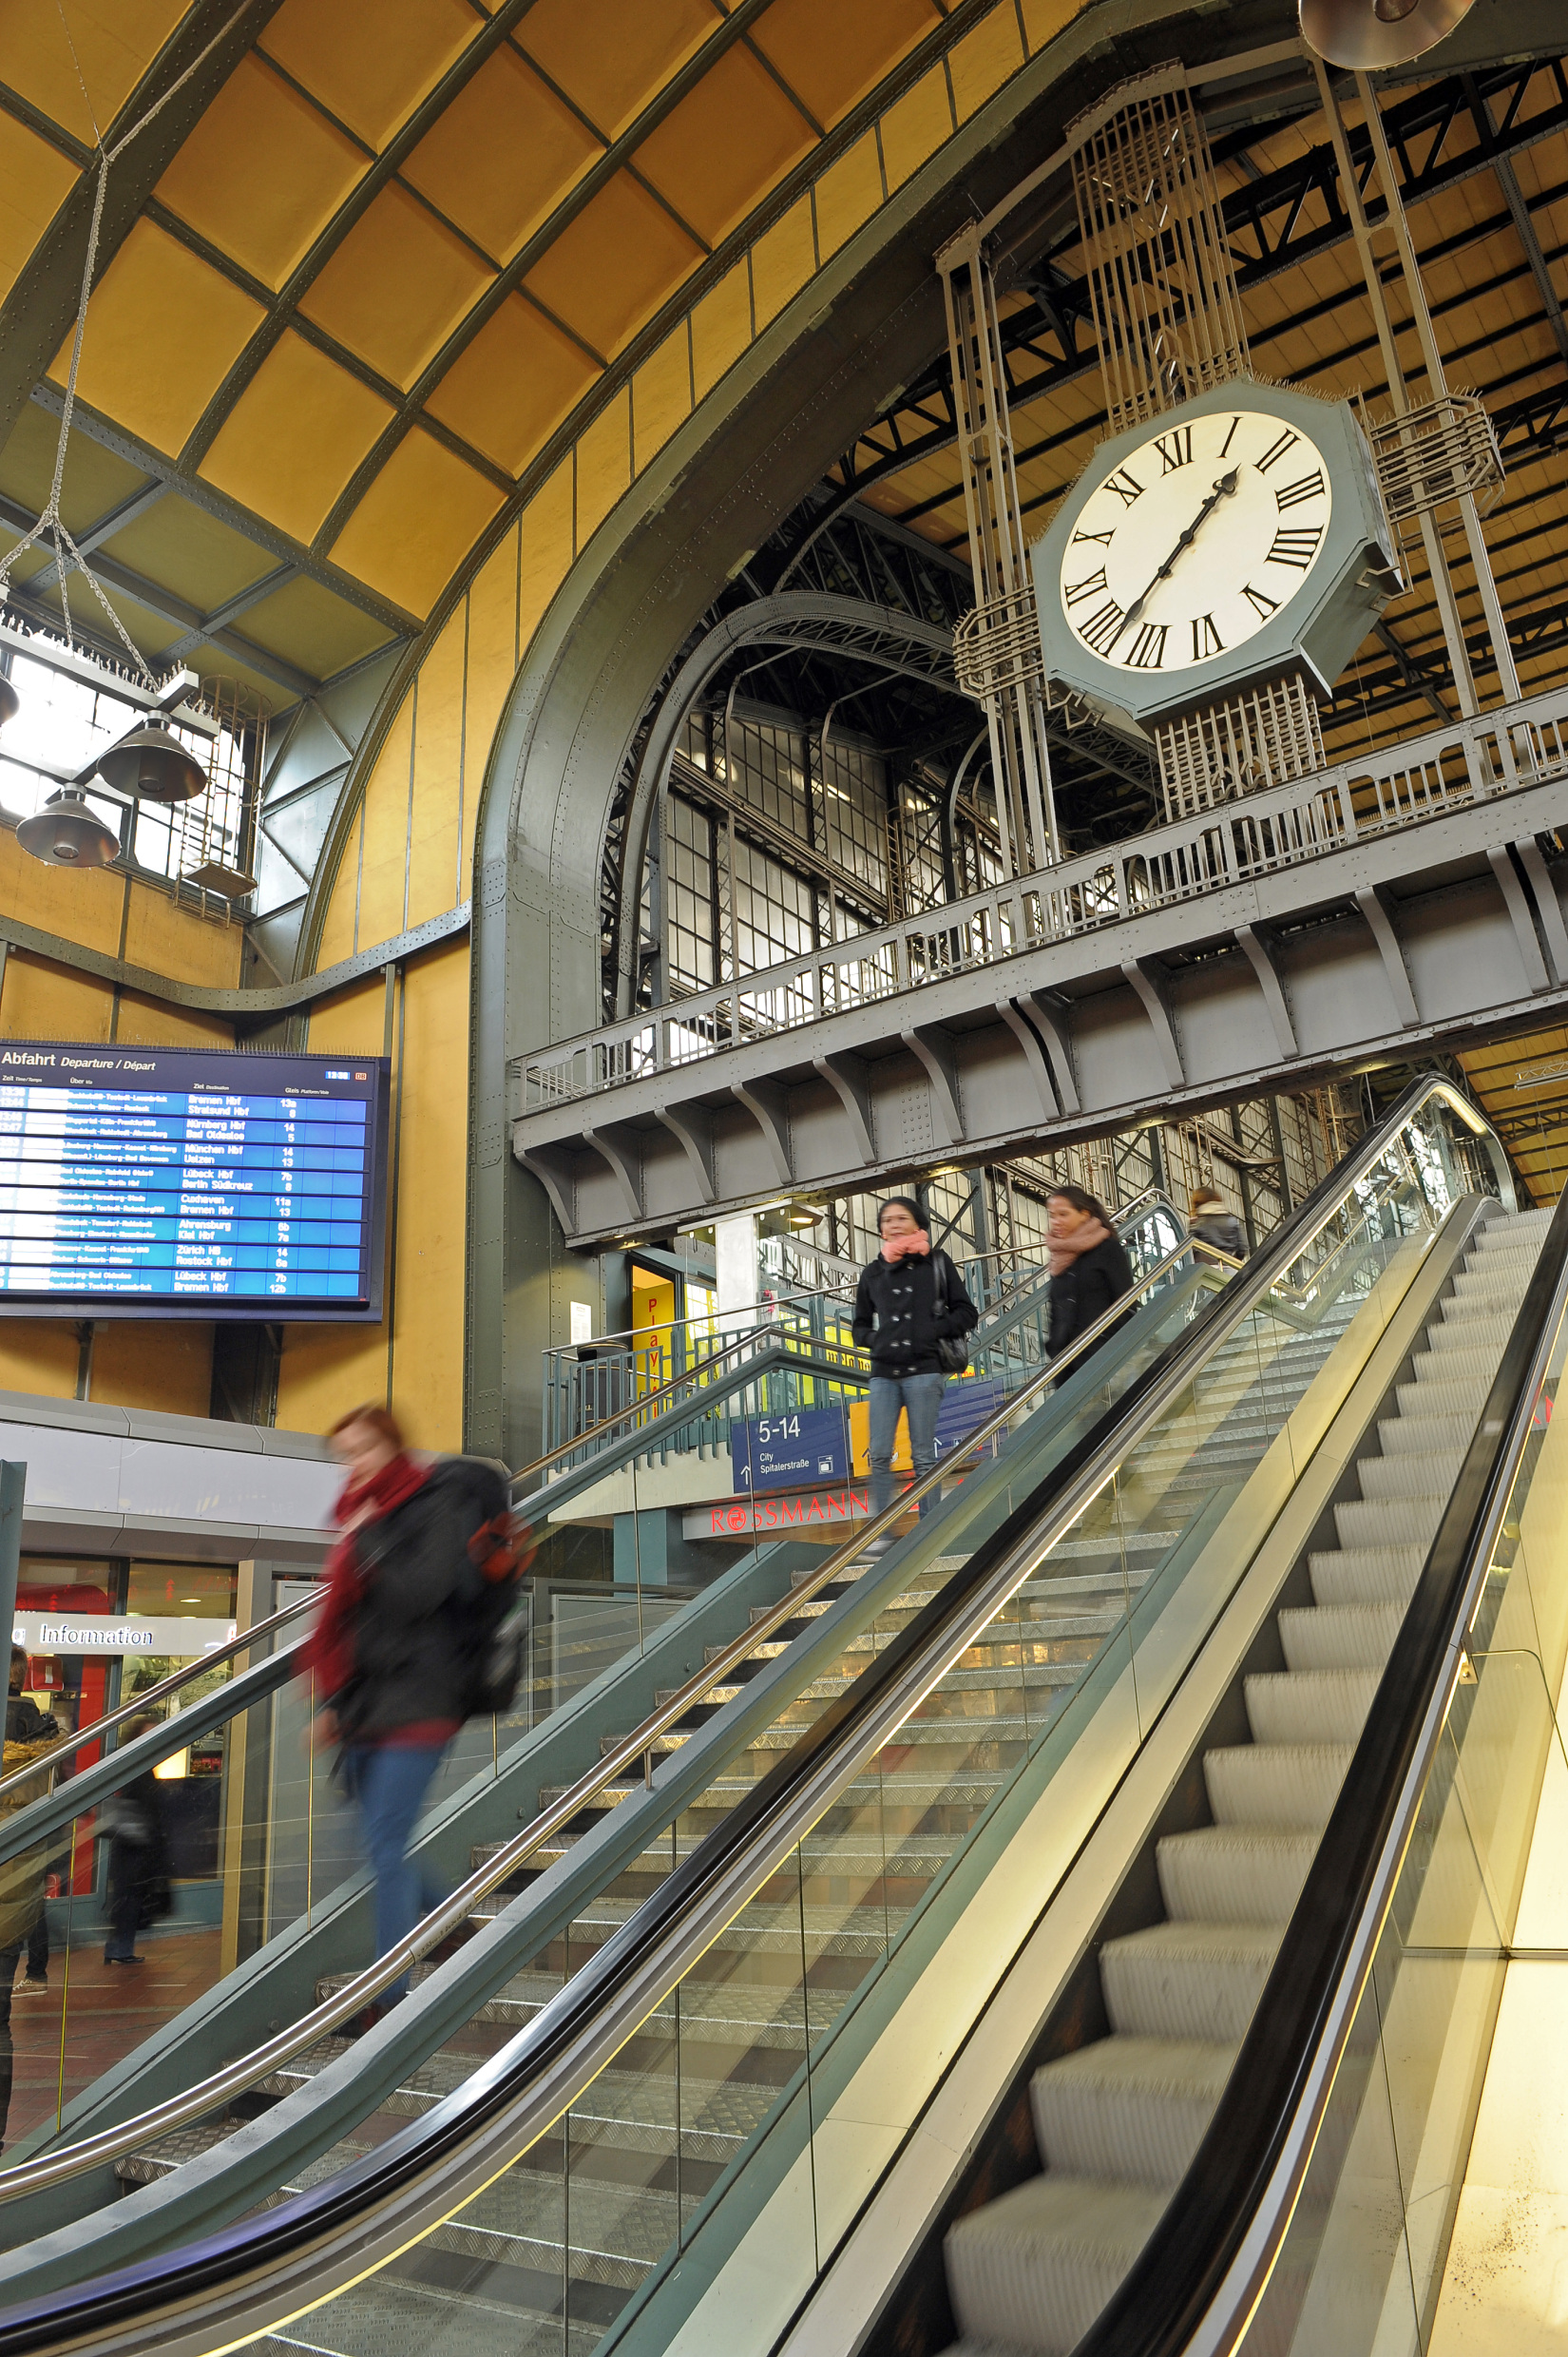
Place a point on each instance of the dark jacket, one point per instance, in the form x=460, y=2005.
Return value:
x=895, y=1313
x=1223, y=1230
x=415, y=1629
x=1084, y=1292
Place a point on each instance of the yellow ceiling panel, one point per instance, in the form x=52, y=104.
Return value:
x=163, y=330
x=115, y=41
x=294, y=437
x=782, y=260
x=370, y=61
x=833, y=55
x=183, y=549
x=307, y=626
x=981, y=62
x=503, y=154
x=722, y=328
x=611, y=59
x=262, y=172
x=916, y=127
x=612, y=267
x=415, y=524
x=397, y=286
x=513, y=385
x=95, y=480
x=847, y=194
x=34, y=178
x=725, y=144
x=661, y=395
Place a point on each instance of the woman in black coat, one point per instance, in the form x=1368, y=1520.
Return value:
x=1089, y=1270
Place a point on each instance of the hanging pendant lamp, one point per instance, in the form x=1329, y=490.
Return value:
x=66, y=833
x=10, y=703
x=1371, y=35
x=151, y=765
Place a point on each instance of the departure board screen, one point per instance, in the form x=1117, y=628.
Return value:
x=177, y=1182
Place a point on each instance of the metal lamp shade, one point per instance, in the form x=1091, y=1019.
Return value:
x=149, y=765
x=10, y=703
x=1368, y=36
x=66, y=833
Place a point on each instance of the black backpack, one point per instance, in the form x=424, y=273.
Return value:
x=500, y=1550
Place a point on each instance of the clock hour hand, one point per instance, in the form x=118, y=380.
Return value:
x=1224, y=485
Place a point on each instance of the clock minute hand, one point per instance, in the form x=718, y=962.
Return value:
x=1222, y=490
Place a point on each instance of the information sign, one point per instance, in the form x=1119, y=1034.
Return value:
x=784, y=1451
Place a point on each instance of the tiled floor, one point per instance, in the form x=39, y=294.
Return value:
x=108, y=2011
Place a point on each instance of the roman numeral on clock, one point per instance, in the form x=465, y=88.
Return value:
x=1305, y=487
x=1078, y=590
x=1261, y=606
x=1102, y=539
x=1206, y=639
x=1126, y=486
x=1277, y=450
x=1175, y=448
x=1101, y=629
x=1296, y=547
x=1149, y=646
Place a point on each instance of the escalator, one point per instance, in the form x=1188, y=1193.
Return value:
x=989, y=1855
x=287, y=1868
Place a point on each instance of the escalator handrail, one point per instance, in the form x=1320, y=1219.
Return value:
x=1195, y=2287
x=238, y=2078
x=565, y=2022
x=172, y=1736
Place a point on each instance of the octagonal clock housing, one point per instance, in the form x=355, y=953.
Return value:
x=1235, y=539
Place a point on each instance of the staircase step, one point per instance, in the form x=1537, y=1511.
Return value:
x=1388, y=1522
x=1384, y=1575
x=1275, y=1784
x=1340, y=1636
x=1311, y=1706
x=1406, y=1475
x=1234, y=1873
x=1130, y=2109
x=1414, y=1433
x=1187, y=1981
x=1032, y=2270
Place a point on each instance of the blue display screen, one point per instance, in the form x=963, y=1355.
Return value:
x=188, y=1182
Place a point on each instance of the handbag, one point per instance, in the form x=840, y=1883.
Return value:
x=952, y=1349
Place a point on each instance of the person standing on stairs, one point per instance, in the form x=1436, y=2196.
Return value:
x=396, y=1653
x=1210, y=1223
x=1089, y=1269
x=910, y=1303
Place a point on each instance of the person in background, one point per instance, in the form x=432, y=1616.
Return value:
x=29, y=1734
x=392, y=1654
x=897, y=1320
x=1089, y=1269
x=1208, y=1222
x=138, y=1891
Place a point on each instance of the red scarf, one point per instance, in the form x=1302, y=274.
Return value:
x=909, y=1246
x=328, y=1652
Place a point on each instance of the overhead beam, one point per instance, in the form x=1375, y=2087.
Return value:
x=114, y=521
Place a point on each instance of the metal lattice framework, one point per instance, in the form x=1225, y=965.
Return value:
x=1263, y=737
x=1161, y=281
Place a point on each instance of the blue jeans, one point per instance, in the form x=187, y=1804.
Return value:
x=919, y=1397
x=387, y=1782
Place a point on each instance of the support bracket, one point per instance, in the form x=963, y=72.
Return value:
x=1051, y=1015
x=1034, y=1056
x=769, y=1108
x=1528, y=853
x=934, y=1049
x=693, y=1127
x=846, y=1076
x=1149, y=982
x=1381, y=928
x=551, y=1166
x=1260, y=959
x=1517, y=902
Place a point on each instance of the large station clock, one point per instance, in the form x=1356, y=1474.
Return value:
x=1240, y=537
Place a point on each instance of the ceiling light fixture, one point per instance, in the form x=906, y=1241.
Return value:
x=66, y=833
x=1369, y=35
x=10, y=703
x=151, y=765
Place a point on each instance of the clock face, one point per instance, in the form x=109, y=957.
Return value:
x=1194, y=541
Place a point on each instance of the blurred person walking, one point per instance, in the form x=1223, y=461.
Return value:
x=29, y=1733
x=1210, y=1223
x=138, y=1889
x=911, y=1312
x=399, y=1655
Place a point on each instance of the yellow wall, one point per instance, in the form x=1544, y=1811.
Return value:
x=414, y=1360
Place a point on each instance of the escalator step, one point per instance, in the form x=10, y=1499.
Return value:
x=1187, y=1981
x=1033, y=2271
x=1131, y=2110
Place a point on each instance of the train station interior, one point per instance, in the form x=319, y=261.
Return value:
x=635, y=634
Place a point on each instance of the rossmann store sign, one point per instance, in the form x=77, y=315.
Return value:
x=803, y=1511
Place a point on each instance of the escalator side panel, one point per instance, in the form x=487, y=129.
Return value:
x=1074, y=1819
